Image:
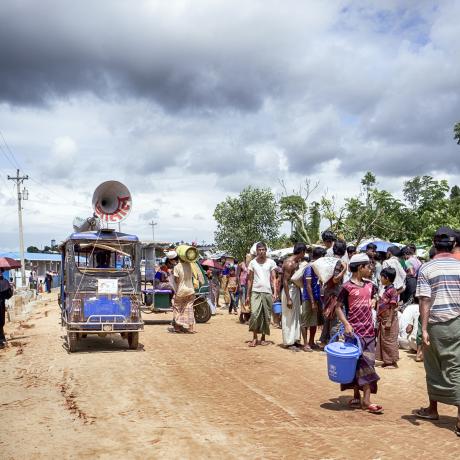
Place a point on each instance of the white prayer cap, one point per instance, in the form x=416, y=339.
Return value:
x=359, y=259
x=171, y=254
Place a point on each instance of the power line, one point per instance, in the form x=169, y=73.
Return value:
x=14, y=162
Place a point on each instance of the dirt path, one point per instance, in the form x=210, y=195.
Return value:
x=200, y=396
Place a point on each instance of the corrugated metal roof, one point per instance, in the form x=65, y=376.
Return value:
x=35, y=256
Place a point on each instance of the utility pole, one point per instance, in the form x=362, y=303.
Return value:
x=24, y=195
x=153, y=239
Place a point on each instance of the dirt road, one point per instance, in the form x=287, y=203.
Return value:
x=198, y=396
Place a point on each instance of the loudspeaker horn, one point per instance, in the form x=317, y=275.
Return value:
x=112, y=202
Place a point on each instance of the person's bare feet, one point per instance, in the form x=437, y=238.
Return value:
x=390, y=366
x=307, y=348
x=253, y=343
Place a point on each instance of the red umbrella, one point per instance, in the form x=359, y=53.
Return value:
x=212, y=263
x=8, y=263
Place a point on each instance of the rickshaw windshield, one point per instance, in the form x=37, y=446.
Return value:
x=97, y=257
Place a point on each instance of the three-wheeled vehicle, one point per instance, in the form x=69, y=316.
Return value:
x=101, y=286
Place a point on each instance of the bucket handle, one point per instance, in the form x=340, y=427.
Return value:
x=341, y=331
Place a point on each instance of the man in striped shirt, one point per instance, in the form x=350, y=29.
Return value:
x=438, y=290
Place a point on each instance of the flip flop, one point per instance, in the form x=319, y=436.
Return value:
x=293, y=348
x=307, y=349
x=374, y=409
x=424, y=414
x=174, y=331
x=355, y=402
x=253, y=344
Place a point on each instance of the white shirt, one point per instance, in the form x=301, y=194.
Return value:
x=400, y=280
x=330, y=252
x=262, y=274
x=409, y=316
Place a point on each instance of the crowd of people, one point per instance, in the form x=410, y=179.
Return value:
x=386, y=300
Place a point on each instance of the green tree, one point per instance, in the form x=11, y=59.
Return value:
x=315, y=221
x=454, y=192
x=33, y=249
x=303, y=216
x=241, y=221
x=430, y=208
x=292, y=208
x=457, y=132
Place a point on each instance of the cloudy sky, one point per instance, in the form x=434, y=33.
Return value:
x=187, y=102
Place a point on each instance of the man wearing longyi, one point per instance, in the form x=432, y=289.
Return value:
x=291, y=299
x=438, y=290
x=261, y=293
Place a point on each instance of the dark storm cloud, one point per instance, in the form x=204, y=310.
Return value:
x=351, y=81
x=65, y=49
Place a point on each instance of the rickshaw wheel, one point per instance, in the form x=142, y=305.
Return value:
x=202, y=310
x=72, y=341
x=133, y=340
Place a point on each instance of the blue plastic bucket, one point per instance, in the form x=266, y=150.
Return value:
x=276, y=307
x=342, y=358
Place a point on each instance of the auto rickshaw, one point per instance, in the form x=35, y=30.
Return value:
x=101, y=286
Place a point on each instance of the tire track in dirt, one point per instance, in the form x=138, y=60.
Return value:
x=195, y=396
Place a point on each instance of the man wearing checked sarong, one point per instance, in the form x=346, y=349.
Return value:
x=438, y=290
x=260, y=294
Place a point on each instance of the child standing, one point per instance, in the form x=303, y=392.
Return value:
x=357, y=295
x=232, y=287
x=387, y=318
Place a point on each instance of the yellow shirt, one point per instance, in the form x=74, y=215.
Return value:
x=183, y=271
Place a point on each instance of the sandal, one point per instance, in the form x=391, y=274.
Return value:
x=253, y=344
x=355, y=402
x=307, y=349
x=374, y=409
x=457, y=430
x=174, y=331
x=424, y=414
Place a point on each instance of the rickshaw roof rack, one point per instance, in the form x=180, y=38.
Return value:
x=101, y=236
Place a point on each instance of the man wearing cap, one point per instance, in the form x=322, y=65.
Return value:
x=438, y=290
